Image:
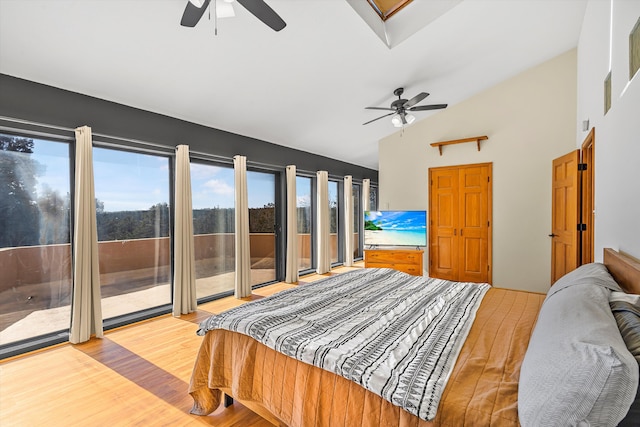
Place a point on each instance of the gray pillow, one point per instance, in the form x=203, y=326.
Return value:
x=627, y=315
x=577, y=369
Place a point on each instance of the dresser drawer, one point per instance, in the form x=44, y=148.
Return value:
x=408, y=261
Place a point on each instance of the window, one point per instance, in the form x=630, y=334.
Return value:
x=634, y=50
x=607, y=93
x=305, y=242
x=35, y=253
x=387, y=8
x=334, y=216
x=261, y=189
x=373, y=198
x=213, y=194
x=132, y=210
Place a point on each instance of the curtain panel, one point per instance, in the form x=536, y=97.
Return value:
x=184, y=271
x=86, y=308
x=243, y=253
x=366, y=188
x=291, y=274
x=348, y=221
x=322, y=223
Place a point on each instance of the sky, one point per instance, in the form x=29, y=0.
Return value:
x=398, y=220
x=135, y=181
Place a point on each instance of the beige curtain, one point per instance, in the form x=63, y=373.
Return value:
x=86, y=308
x=366, y=184
x=291, y=274
x=348, y=221
x=184, y=270
x=322, y=223
x=243, y=253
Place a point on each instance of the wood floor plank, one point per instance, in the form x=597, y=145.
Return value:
x=135, y=375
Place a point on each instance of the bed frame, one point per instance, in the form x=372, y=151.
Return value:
x=624, y=269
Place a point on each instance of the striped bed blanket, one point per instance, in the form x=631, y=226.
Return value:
x=395, y=334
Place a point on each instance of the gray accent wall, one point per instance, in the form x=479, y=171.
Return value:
x=35, y=102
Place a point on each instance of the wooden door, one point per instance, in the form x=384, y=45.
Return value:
x=474, y=212
x=460, y=221
x=564, y=215
x=443, y=232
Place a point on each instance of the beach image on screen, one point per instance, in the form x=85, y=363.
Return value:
x=395, y=228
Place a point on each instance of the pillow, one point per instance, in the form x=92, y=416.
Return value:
x=622, y=296
x=626, y=311
x=594, y=274
x=577, y=369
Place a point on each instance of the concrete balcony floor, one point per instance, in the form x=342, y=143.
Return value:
x=23, y=324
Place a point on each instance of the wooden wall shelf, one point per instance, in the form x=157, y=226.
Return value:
x=476, y=139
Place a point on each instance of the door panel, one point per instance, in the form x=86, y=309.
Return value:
x=444, y=218
x=564, y=217
x=474, y=231
x=445, y=255
x=473, y=259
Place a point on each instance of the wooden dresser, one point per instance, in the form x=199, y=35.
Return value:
x=406, y=260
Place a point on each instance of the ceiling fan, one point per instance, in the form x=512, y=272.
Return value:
x=195, y=9
x=400, y=108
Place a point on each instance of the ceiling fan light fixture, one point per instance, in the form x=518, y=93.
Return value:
x=225, y=10
x=396, y=121
x=409, y=118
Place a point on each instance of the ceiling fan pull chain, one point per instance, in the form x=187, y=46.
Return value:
x=215, y=18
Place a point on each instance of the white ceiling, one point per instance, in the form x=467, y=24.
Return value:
x=304, y=87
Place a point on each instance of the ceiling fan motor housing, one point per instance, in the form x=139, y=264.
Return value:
x=398, y=103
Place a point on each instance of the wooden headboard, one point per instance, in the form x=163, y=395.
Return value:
x=624, y=269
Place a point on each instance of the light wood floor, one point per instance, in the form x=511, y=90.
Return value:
x=137, y=375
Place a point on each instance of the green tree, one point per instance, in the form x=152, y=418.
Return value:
x=19, y=213
x=54, y=217
x=262, y=220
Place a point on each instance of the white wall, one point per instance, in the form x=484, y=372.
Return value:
x=530, y=120
x=617, y=134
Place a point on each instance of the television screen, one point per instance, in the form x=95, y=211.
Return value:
x=395, y=228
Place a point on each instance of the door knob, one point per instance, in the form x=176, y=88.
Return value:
x=552, y=235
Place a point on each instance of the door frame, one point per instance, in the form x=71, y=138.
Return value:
x=489, y=166
x=587, y=196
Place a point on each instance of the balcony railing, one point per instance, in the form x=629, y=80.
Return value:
x=35, y=281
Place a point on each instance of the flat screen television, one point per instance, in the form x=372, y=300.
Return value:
x=395, y=228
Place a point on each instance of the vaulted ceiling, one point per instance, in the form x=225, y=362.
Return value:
x=305, y=86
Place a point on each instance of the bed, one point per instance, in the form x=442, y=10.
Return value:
x=504, y=363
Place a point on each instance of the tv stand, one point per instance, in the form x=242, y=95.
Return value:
x=406, y=260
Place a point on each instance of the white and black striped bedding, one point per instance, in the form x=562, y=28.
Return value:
x=395, y=334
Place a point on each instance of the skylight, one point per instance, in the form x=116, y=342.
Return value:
x=392, y=27
x=386, y=8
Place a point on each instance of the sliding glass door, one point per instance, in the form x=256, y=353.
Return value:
x=304, y=189
x=35, y=253
x=334, y=219
x=132, y=210
x=261, y=190
x=213, y=193
x=358, y=215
